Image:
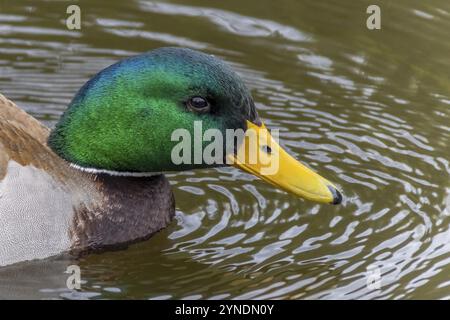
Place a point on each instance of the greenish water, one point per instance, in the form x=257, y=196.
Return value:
x=367, y=109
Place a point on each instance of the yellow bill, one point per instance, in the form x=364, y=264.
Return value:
x=260, y=154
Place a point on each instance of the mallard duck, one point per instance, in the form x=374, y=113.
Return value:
x=96, y=180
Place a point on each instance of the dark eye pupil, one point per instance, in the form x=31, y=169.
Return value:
x=199, y=102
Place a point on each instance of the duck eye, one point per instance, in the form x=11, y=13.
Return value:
x=198, y=104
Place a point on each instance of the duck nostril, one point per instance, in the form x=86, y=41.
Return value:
x=266, y=149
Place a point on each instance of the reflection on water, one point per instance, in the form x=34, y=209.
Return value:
x=368, y=109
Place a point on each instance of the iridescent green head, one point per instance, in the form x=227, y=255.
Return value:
x=123, y=118
x=122, y=121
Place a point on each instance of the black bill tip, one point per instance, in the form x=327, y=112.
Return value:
x=337, y=196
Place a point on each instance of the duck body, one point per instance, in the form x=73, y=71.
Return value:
x=48, y=207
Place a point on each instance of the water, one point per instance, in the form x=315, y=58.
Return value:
x=367, y=109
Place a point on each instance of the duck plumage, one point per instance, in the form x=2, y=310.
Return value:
x=48, y=207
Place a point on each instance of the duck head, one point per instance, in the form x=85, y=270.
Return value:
x=122, y=122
